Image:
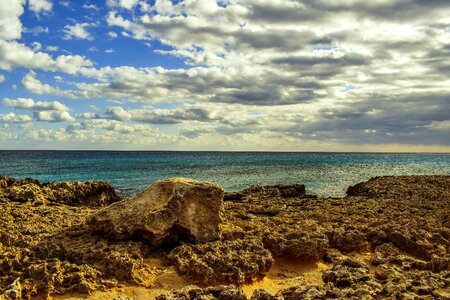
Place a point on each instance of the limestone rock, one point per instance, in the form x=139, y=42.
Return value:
x=236, y=262
x=193, y=292
x=279, y=190
x=90, y=193
x=169, y=211
x=14, y=290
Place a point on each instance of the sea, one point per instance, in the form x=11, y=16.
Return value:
x=323, y=174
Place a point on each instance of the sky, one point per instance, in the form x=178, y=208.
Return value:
x=250, y=75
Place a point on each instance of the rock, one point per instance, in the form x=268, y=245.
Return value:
x=192, y=292
x=261, y=294
x=420, y=187
x=349, y=240
x=14, y=290
x=169, y=211
x=346, y=273
x=236, y=262
x=90, y=193
x=382, y=253
x=279, y=190
x=301, y=245
x=302, y=292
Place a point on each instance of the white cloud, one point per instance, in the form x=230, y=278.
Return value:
x=10, y=25
x=78, y=31
x=118, y=113
x=109, y=51
x=2, y=78
x=32, y=84
x=38, y=6
x=52, y=48
x=90, y=6
x=36, y=30
x=13, y=54
x=36, y=46
x=127, y=4
x=88, y=115
x=13, y=118
x=112, y=34
x=30, y=104
x=53, y=116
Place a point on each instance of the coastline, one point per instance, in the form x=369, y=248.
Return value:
x=388, y=237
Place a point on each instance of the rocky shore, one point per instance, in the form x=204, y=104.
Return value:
x=389, y=238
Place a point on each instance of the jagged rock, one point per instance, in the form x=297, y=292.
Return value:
x=349, y=240
x=14, y=290
x=279, y=190
x=298, y=244
x=90, y=193
x=192, y=292
x=382, y=253
x=425, y=187
x=302, y=292
x=346, y=273
x=168, y=211
x=261, y=294
x=237, y=261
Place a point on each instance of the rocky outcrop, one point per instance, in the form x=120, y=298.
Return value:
x=297, y=244
x=401, y=187
x=192, y=292
x=366, y=246
x=279, y=190
x=169, y=211
x=235, y=262
x=90, y=193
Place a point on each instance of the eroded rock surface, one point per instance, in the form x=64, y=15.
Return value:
x=192, y=292
x=89, y=193
x=168, y=211
x=238, y=261
x=389, y=239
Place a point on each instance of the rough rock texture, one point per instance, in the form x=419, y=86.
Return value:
x=419, y=187
x=170, y=211
x=279, y=190
x=389, y=239
x=90, y=193
x=236, y=261
x=192, y=292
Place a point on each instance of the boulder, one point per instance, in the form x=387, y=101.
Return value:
x=169, y=211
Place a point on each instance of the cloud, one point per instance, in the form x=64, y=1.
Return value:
x=127, y=4
x=38, y=6
x=2, y=78
x=52, y=48
x=88, y=115
x=30, y=104
x=90, y=6
x=13, y=54
x=13, y=118
x=112, y=34
x=78, y=31
x=53, y=116
x=35, y=31
x=10, y=25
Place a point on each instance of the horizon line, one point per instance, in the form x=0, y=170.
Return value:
x=224, y=151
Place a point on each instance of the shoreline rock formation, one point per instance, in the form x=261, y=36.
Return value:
x=168, y=211
x=388, y=238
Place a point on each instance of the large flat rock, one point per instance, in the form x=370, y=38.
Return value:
x=169, y=211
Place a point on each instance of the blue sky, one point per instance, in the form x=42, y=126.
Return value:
x=284, y=75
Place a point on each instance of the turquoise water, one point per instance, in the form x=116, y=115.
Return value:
x=324, y=174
